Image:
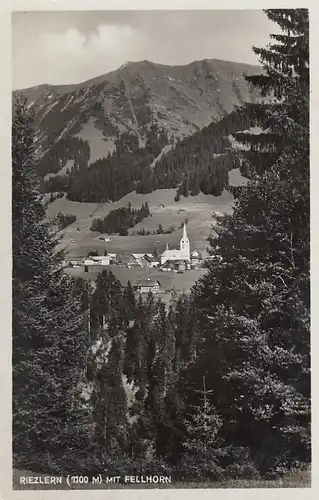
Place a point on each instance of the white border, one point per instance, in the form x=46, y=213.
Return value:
x=5, y=246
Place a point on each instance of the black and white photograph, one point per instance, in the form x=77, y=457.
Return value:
x=160, y=249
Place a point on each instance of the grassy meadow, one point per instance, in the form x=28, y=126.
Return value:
x=78, y=240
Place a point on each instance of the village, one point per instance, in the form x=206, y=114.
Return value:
x=170, y=261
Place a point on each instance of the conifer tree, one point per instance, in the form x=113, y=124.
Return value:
x=185, y=186
x=184, y=333
x=107, y=297
x=284, y=119
x=110, y=399
x=253, y=305
x=50, y=338
x=202, y=426
x=202, y=441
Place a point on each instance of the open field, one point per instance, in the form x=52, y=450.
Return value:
x=199, y=211
x=100, y=146
x=300, y=479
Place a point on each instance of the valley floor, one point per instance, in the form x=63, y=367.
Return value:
x=78, y=239
x=169, y=281
x=199, y=211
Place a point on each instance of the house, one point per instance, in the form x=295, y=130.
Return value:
x=196, y=257
x=75, y=262
x=136, y=259
x=176, y=265
x=133, y=264
x=113, y=259
x=149, y=261
x=167, y=266
x=182, y=265
x=88, y=261
x=102, y=260
x=146, y=286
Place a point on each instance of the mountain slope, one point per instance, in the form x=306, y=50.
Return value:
x=199, y=211
x=199, y=162
x=180, y=99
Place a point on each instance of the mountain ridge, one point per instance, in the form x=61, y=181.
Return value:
x=64, y=87
x=179, y=99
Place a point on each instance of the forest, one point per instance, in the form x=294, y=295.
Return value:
x=213, y=387
x=65, y=220
x=120, y=220
x=197, y=163
x=109, y=178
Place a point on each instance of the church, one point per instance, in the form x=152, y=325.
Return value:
x=182, y=254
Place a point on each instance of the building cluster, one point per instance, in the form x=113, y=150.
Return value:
x=176, y=260
x=92, y=260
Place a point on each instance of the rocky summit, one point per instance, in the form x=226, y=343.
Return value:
x=180, y=99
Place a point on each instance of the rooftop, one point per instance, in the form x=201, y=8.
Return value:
x=146, y=282
x=175, y=262
x=151, y=258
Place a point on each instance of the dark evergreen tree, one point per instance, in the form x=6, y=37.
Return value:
x=185, y=186
x=253, y=305
x=50, y=338
x=202, y=442
x=129, y=302
x=107, y=295
x=285, y=89
x=110, y=402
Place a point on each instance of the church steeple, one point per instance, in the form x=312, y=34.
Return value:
x=184, y=232
x=184, y=245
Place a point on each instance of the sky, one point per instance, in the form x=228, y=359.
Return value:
x=65, y=47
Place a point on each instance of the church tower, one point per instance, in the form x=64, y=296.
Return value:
x=184, y=245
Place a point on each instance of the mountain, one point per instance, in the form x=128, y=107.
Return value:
x=200, y=162
x=143, y=132
x=179, y=99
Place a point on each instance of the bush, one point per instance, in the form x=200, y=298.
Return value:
x=238, y=463
x=219, y=464
x=203, y=466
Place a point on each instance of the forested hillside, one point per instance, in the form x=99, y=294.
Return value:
x=197, y=163
x=99, y=140
x=120, y=220
x=110, y=178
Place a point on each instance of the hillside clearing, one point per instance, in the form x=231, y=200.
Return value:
x=100, y=146
x=79, y=240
